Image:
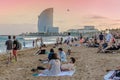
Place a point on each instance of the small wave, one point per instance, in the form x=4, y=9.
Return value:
x=49, y=42
x=30, y=38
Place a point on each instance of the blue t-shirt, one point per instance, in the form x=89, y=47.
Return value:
x=50, y=55
x=101, y=37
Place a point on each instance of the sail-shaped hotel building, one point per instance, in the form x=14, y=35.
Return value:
x=45, y=22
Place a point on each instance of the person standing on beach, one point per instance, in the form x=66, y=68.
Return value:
x=41, y=43
x=9, y=45
x=33, y=43
x=15, y=44
x=24, y=43
x=57, y=41
x=61, y=40
x=101, y=37
x=68, y=41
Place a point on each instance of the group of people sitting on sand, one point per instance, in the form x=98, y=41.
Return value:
x=109, y=44
x=106, y=42
x=56, y=62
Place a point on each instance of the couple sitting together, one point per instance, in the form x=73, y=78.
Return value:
x=55, y=67
x=109, y=47
x=61, y=55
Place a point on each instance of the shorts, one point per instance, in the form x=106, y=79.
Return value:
x=8, y=52
x=14, y=52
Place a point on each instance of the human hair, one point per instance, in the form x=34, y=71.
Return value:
x=68, y=33
x=54, y=56
x=9, y=37
x=73, y=59
x=14, y=37
x=52, y=50
x=81, y=37
x=101, y=33
x=60, y=49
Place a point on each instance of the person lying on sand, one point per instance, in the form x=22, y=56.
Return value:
x=68, y=66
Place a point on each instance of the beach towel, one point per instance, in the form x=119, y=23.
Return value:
x=112, y=75
x=108, y=75
x=63, y=73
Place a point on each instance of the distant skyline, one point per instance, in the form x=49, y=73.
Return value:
x=17, y=16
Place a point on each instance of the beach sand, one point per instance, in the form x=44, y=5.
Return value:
x=89, y=64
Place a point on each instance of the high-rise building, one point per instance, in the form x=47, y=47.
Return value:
x=45, y=21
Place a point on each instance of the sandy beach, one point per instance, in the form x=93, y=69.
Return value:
x=90, y=65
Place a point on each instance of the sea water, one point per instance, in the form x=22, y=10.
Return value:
x=27, y=40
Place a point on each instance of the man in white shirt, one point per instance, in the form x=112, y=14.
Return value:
x=69, y=43
x=108, y=36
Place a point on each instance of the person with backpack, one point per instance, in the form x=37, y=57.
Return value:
x=15, y=47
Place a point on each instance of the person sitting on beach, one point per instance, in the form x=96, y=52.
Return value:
x=102, y=46
x=68, y=66
x=64, y=67
x=111, y=42
x=108, y=37
x=42, y=50
x=57, y=41
x=93, y=42
x=114, y=47
x=50, y=54
x=53, y=66
x=62, y=55
x=81, y=40
x=86, y=39
x=110, y=47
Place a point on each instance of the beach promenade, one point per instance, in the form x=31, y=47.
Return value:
x=90, y=65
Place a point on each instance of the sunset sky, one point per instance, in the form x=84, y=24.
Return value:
x=17, y=16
